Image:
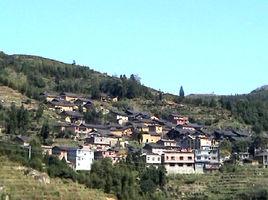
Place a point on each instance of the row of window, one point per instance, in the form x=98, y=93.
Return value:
x=206, y=158
x=181, y=158
x=153, y=158
x=181, y=164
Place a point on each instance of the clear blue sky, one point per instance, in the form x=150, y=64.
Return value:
x=205, y=45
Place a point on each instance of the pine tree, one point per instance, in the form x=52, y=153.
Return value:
x=45, y=131
x=181, y=92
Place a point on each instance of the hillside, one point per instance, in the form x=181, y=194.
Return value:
x=243, y=183
x=31, y=75
x=15, y=184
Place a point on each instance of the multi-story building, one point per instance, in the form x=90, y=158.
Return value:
x=179, y=162
x=79, y=158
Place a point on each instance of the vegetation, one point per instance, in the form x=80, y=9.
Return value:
x=33, y=75
x=16, y=185
x=235, y=182
x=251, y=109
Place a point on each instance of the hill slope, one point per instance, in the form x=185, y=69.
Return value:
x=17, y=185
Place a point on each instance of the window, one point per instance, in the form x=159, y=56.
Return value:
x=180, y=165
x=158, y=159
x=190, y=158
x=167, y=157
x=148, y=158
x=153, y=158
x=214, y=158
x=172, y=164
x=181, y=157
x=189, y=165
x=198, y=157
x=172, y=157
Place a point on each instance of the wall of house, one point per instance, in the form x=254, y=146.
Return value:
x=147, y=138
x=64, y=108
x=179, y=168
x=84, y=159
x=153, y=159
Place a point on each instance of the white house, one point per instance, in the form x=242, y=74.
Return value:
x=153, y=159
x=81, y=158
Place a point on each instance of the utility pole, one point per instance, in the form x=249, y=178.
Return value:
x=30, y=152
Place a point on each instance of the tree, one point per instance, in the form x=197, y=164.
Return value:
x=181, y=92
x=45, y=131
x=39, y=112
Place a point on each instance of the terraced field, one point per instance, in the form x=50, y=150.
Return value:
x=16, y=185
x=219, y=185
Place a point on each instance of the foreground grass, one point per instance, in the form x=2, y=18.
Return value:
x=227, y=185
x=15, y=184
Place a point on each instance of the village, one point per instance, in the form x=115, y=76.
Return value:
x=178, y=145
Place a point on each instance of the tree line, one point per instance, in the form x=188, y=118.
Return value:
x=33, y=75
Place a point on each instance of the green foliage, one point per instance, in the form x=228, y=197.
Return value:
x=256, y=193
x=225, y=148
x=41, y=74
x=252, y=109
x=59, y=168
x=17, y=120
x=92, y=116
x=45, y=130
x=39, y=112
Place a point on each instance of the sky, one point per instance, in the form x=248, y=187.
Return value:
x=207, y=46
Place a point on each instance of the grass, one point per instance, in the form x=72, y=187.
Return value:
x=217, y=185
x=8, y=96
x=19, y=186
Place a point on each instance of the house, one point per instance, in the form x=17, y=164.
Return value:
x=207, y=160
x=70, y=97
x=159, y=149
x=179, y=162
x=72, y=116
x=47, y=150
x=79, y=158
x=191, y=127
x=112, y=154
x=22, y=140
x=262, y=157
x=167, y=143
x=178, y=119
x=243, y=156
x=230, y=135
x=150, y=137
x=114, y=99
x=67, y=127
x=104, y=97
x=152, y=159
x=120, y=117
x=121, y=131
x=61, y=105
x=155, y=128
x=83, y=101
x=48, y=97
x=98, y=142
x=141, y=127
x=83, y=104
x=61, y=152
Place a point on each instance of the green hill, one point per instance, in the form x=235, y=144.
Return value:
x=15, y=184
x=31, y=75
x=243, y=183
